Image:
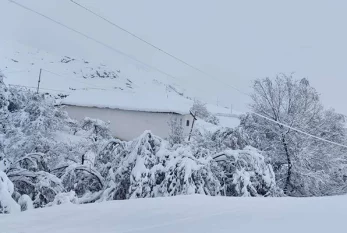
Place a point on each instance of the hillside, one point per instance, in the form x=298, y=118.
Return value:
x=65, y=75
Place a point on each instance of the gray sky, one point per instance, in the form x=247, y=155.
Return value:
x=236, y=41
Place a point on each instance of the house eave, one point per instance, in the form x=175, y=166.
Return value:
x=126, y=109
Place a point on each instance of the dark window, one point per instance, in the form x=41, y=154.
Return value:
x=187, y=123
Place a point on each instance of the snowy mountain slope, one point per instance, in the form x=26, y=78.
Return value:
x=22, y=64
x=183, y=214
x=122, y=81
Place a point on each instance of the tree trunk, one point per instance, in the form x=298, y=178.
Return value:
x=289, y=161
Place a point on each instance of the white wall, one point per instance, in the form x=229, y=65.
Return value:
x=127, y=125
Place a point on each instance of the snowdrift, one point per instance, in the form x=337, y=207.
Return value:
x=186, y=214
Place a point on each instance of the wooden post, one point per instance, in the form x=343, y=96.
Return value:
x=38, y=83
x=191, y=130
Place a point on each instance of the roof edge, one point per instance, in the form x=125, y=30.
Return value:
x=126, y=109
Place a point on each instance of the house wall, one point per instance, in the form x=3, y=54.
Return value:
x=127, y=125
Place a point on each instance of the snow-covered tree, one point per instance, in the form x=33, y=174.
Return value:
x=200, y=111
x=246, y=173
x=31, y=177
x=298, y=160
x=3, y=93
x=176, y=135
x=82, y=179
x=96, y=129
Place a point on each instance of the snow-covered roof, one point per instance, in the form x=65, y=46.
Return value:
x=124, y=100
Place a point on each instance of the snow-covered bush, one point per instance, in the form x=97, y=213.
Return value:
x=212, y=119
x=4, y=163
x=82, y=179
x=150, y=167
x=40, y=186
x=31, y=177
x=7, y=203
x=96, y=130
x=65, y=198
x=25, y=203
x=32, y=121
x=186, y=174
x=246, y=173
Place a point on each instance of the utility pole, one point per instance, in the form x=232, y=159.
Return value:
x=38, y=83
x=191, y=130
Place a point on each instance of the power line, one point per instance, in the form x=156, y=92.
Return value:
x=137, y=37
x=120, y=52
x=93, y=39
x=195, y=68
x=298, y=130
x=159, y=49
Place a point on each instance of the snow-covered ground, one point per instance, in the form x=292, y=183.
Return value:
x=230, y=122
x=183, y=214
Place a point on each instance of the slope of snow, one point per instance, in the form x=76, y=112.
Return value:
x=64, y=74
x=230, y=122
x=222, y=110
x=88, y=83
x=122, y=86
x=183, y=214
x=227, y=117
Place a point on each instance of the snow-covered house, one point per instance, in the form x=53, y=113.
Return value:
x=130, y=114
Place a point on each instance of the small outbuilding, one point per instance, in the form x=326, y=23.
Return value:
x=130, y=114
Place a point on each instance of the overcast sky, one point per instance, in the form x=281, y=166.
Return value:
x=236, y=41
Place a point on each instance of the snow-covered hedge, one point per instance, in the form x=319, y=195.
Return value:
x=149, y=167
x=48, y=159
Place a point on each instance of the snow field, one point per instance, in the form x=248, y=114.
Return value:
x=183, y=214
